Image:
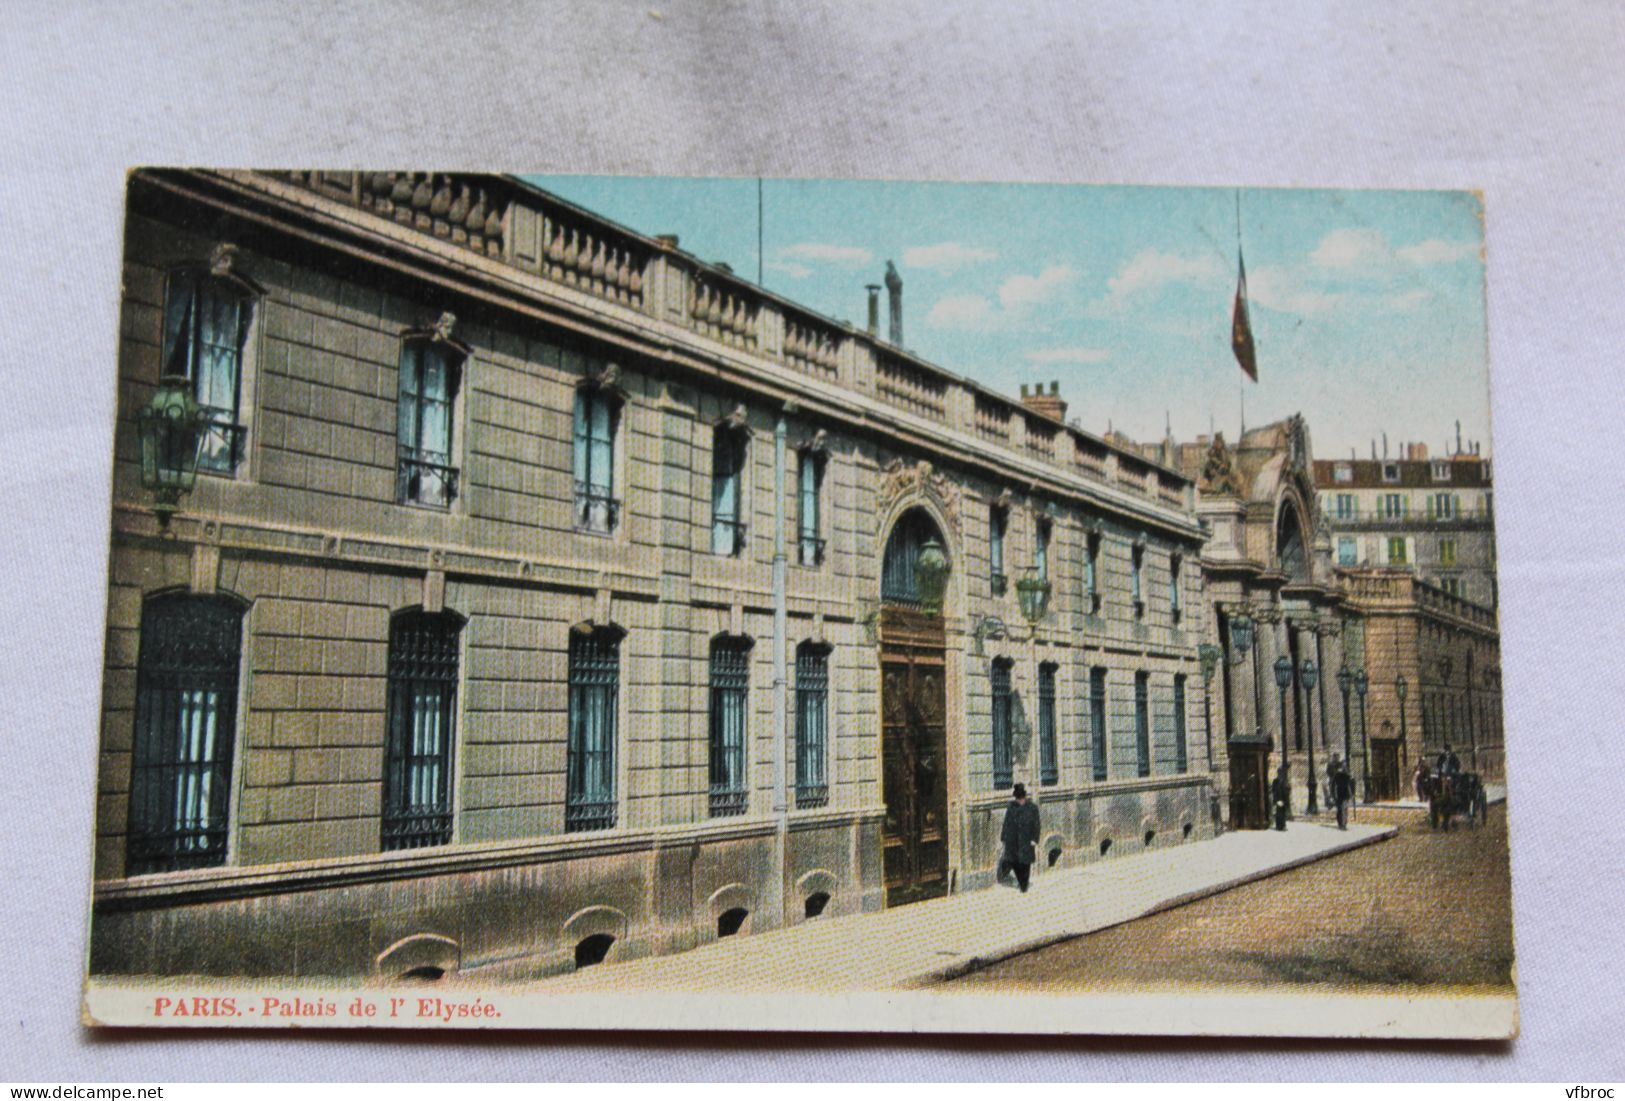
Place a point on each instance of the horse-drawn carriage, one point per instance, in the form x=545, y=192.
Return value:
x=1449, y=795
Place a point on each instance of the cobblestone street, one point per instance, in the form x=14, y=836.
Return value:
x=1423, y=908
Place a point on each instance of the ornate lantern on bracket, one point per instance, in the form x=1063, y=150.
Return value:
x=931, y=576
x=1241, y=632
x=1033, y=592
x=171, y=428
x=1208, y=654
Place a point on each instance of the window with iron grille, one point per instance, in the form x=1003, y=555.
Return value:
x=1041, y=534
x=595, y=681
x=1091, y=574
x=812, y=724
x=429, y=374
x=206, y=321
x=185, y=732
x=728, y=451
x=422, y=709
x=1174, y=607
x=1181, y=761
x=997, y=520
x=1142, y=722
x=730, y=685
x=1003, y=706
x=809, y=496
x=1097, y=720
x=903, y=546
x=1049, y=769
x=597, y=413
x=1137, y=579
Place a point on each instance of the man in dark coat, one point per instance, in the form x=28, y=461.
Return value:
x=1342, y=791
x=1280, y=795
x=1448, y=764
x=1020, y=837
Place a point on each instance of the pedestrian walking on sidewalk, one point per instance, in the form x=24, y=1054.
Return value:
x=1280, y=795
x=1342, y=791
x=1019, y=837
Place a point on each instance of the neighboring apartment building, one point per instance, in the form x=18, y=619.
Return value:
x=547, y=595
x=1434, y=517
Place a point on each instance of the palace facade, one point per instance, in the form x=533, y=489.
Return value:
x=547, y=595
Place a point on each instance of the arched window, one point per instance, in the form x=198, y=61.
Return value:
x=730, y=691
x=1289, y=545
x=422, y=724
x=430, y=373
x=597, y=417
x=595, y=676
x=897, y=580
x=185, y=732
x=206, y=319
x=812, y=724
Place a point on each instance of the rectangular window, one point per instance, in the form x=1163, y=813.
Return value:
x=1445, y=506
x=205, y=328
x=1390, y=472
x=1049, y=769
x=1393, y=506
x=1396, y=550
x=1343, y=472
x=596, y=414
x=1097, y=721
x=1142, y=723
x=1003, y=771
x=595, y=679
x=1451, y=585
x=809, y=515
x=1348, y=553
x=997, y=520
x=730, y=683
x=1091, y=575
x=1041, y=534
x=1346, y=508
x=727, y=491
x=428, y=388
x=421, y=729
x=1137, y=571
x=1181, y=762
x=185, y=733
x=1447, y=552
x=812, y=724
x=1173, y=587
x=1441, y=472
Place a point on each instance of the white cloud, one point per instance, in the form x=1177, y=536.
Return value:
x=1021, y=291
x=1071, y=354
x=823, y=253
x=962, y=311
x=947, y=256
x=1278, y=289
x=1153, y=269
x=790, y=268
x=1435, y=251
x=1345, y=248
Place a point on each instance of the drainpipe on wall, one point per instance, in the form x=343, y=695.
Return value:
x=781, y=802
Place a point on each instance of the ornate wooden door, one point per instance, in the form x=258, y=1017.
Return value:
x=1249, y=786
x=914, y=756
x=1385, y=769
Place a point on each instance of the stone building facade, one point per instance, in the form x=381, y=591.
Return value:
x=1434, y=517
x=1447, y=651
x=548, y=596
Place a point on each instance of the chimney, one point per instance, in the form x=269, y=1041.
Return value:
x=1385, y=445
x=1458, y=437
x=1373, y=449
x=874, y=307
x=1416, y=452
x=1045, y=405
x=894, y=298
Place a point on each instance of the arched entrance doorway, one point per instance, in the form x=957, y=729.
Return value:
x=913, y=736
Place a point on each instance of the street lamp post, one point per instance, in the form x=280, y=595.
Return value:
x=1307, y=673
x=1283, y=681
x=1401, y=689
x=1362, y=685
x=1345, y=681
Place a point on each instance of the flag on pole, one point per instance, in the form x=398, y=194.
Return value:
x=1241, y=327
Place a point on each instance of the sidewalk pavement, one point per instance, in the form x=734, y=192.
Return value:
x=932, y=941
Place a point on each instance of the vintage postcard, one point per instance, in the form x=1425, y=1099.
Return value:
x=786, y=604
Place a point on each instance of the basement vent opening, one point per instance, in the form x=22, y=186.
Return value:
x=1186, y=831
x=1105, y=846
x=427, y=973
x=1150, y=836
x=815, y=903
x=731, y=921
x=593, y=949
x=1054, y=855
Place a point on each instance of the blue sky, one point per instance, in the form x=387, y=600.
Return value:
x=1368, y=306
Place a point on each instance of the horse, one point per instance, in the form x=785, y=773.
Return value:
x=1441, y=799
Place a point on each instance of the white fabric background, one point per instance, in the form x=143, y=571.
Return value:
x=1520, y=99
